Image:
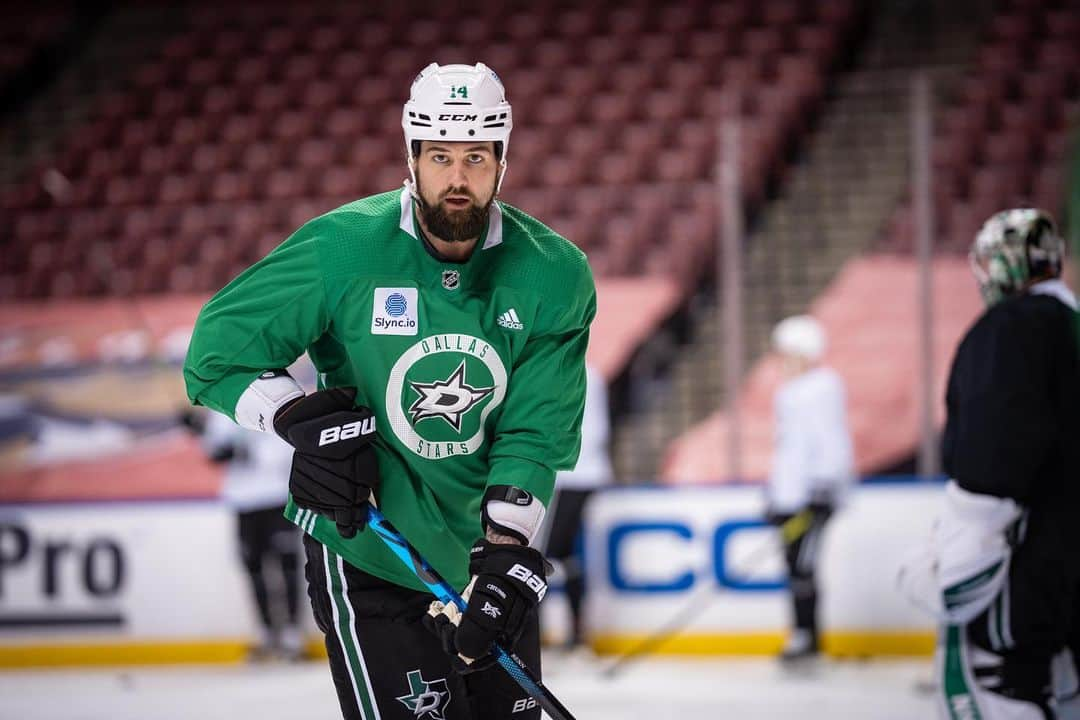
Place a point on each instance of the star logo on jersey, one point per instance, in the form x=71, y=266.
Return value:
x=426, y=699
x=457, y=377
x=448, y=399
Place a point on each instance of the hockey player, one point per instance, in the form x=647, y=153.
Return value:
x=449, y=330
x=812, y=467
x=256, y=474
x=573, y=490
x=1006, y=548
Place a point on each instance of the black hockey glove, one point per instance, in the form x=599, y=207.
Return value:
x=508, y=583
x=792, y=525
x=822, y=502
x=229, y=452
x=193, y=420
x=775, y=517
x=334, y=469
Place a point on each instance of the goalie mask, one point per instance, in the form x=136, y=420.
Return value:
x=457, y=103
x=1013, y=248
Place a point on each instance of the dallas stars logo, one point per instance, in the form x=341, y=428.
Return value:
x=448, y=399
x=426, y=698
x=463, y=407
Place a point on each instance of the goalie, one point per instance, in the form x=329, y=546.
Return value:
x=1005, y=564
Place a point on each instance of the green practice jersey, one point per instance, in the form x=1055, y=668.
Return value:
x=474, y=370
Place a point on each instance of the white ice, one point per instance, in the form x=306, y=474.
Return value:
x=650, y=690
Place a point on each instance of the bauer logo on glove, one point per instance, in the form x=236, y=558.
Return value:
x=348, y=431
x=334, y=469
x=531, y=580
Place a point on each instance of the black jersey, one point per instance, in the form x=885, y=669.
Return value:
x=1013, y=400
x=1012, y=431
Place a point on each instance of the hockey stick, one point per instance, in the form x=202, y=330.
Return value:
x=510, y=662
x=791, y=530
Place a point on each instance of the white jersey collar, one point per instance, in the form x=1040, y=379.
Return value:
x=408, y=223
x=1055, y=288
x=495, y=229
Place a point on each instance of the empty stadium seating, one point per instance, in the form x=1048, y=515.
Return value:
x=26, y=30
x=1003, y=140
x=278, y=113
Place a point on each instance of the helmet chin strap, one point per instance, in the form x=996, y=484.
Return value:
x=411, y=182
x=502, y=174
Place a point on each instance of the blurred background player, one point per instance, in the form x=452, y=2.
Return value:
x=812, y=466
x=572, y=491
x=1006, y=564
x=256, y=486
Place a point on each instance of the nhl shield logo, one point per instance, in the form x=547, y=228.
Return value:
x=451, y=279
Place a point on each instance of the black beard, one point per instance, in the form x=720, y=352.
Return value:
x=461, y=226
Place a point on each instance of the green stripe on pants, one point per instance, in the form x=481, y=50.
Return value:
x=345, y=627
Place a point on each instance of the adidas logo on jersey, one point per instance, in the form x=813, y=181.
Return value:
x=509, y=320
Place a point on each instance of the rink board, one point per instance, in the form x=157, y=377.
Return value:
x=161, y=581
x=703, y=560
x=122, y=583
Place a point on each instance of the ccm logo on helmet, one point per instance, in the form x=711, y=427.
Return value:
x=348, y=431
x=450, y=116
x=526, y=576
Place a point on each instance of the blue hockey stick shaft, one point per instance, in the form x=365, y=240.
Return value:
x=447, y=594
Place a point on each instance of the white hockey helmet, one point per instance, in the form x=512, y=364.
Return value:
x=801, y=336
x=457, y=103
x=1013, y=248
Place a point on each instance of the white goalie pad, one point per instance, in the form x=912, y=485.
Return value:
x=974, y=552
x=966, y=562
x=968, y=681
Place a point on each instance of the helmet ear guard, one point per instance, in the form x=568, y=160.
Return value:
x=457, y=103
x=1013, y=248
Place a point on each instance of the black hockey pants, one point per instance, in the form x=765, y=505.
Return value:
x=386, y=665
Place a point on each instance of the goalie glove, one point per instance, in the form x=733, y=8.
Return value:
x=966, y=563
x=334, y=469
x=508, y=583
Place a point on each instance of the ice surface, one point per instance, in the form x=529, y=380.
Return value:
x=649, y=690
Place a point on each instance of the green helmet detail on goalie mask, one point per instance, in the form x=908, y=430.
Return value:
x=1012, y=249
x=457, y=103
